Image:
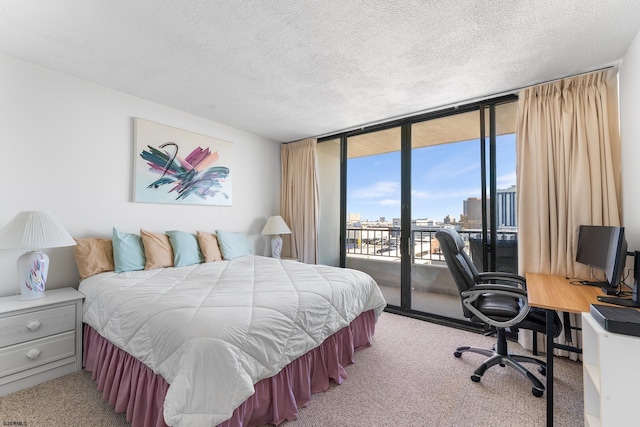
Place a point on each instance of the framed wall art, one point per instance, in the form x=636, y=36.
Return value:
x=177, y=166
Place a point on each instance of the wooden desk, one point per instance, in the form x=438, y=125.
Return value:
x=557, y=293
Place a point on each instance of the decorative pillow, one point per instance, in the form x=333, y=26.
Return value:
x=157, y=250
x=233, y=244
x=185, y=248
x=209, y=246
x=128, y=253
x=93, y=256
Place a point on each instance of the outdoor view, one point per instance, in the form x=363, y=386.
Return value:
x=445, y=178
x=445, y=192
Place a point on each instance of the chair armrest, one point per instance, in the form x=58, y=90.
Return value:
x=505, y=277
x=471, y=295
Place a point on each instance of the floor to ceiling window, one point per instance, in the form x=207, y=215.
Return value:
x=407, y=180
x=446, y=173
x=373, y=208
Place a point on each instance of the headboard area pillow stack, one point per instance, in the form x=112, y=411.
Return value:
x=148, y=251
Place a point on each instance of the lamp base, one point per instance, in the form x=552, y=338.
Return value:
x=276, y=246
x=32, y=273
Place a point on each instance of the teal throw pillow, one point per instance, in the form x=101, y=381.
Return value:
x=186, y=250
x=128, y=252
x=233, y=244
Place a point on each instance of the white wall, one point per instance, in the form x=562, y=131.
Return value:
x=67, y=147
x=630, y=134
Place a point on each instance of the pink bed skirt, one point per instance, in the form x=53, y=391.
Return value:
x=130, y=386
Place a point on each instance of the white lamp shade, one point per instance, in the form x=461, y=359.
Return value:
x=34, y=230
x=276, y=225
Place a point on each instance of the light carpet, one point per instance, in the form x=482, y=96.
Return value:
x=409, y=377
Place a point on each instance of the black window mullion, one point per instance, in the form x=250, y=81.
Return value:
x=405, y=216
x=483, y=188
x=343, y=201
x=493, y=185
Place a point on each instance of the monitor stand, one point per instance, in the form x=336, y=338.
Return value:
x=620, y=301
x=634, y=301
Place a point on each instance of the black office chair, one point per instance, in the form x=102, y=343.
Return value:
x=498, y=300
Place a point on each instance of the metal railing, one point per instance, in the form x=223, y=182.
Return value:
x=425, y=248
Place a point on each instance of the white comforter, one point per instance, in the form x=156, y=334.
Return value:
x=213, y=330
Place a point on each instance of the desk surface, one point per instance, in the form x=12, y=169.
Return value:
x=557, y=293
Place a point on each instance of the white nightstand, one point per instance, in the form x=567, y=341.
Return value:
x=40, y=339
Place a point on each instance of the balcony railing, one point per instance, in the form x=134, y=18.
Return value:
x=425, y=248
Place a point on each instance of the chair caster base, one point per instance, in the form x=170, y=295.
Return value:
x=537, y=392
x=475, y=378
x=457, y=353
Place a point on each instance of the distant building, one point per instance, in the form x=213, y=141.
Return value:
x=426, y=222
x=506, y=214
x=506, y=203
x=472, y=209
x=353, y=217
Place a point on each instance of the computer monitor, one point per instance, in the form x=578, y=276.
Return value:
x=603, y=248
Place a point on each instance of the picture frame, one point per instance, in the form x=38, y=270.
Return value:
x=177, y=166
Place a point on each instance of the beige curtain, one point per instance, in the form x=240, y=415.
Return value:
x=299, y=200
x=568, y=171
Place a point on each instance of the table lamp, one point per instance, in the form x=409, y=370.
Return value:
x=275, y=225
x=32, y=231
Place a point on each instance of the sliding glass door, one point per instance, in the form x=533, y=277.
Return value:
x=446, y=177
x=373, y=208
x=400, y=183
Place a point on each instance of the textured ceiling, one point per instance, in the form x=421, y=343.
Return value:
x=291, y=69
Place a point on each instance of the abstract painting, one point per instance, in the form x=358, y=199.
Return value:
x=177, y=166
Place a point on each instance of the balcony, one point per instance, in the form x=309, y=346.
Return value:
x=376, y=251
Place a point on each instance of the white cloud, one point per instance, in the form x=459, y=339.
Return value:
x=450, y=168
x=505, y=181
x=377, y=190
x=389, y=202
x=458, y=193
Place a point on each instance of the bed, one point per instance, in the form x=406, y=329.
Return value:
x=240, y=342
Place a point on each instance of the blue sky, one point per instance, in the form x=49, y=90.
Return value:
x=442, y=177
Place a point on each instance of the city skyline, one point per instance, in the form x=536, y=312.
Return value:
x=442, y=177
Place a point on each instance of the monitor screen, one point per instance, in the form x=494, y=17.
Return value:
x=603, y=248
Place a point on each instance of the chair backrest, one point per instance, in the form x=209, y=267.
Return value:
x=462, y=269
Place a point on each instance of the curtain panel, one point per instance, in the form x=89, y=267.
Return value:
x=299, y=200
x=568, y=171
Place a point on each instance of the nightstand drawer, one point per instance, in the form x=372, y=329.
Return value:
x=36, y=324
x=35, y=353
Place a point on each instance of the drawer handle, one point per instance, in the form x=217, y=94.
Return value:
x=33, y=326
x=33, y=353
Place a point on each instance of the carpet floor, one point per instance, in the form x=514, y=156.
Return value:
x=409, y=377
